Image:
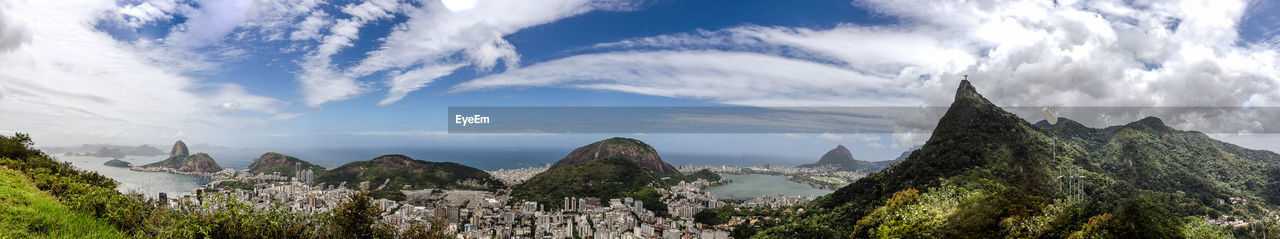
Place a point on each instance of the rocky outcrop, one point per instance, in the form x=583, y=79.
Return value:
x=838, y=156
x=118, y=163
x=625, y=148
x=179, y=150
x=841, y=159
x=198, y=163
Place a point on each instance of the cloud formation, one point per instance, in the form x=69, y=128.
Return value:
x=76, y=84
x=1027, y=53
x=435, y=38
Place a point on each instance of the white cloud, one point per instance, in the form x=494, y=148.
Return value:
x=434, y=35
x=12, y=35
x=402, y=84
x=1027, y=53
x=749, y=79
x=310, y=28
x=321, y=81
x=134, y=16
x=274, y=19
x=209, y=23
x=78, y=85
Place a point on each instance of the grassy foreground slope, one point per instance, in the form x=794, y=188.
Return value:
x=25, y=212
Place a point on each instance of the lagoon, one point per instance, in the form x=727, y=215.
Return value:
x=747, y=186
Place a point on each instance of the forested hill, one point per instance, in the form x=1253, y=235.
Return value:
x=987, y=173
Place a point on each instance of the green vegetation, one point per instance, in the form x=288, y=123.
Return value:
x=235, y=184
x=25, y=212
x=200, y=162
x=75, y=204
x=405, y=173
x=625, y=148
x=987, y=173
x=273, y=162
x=118, y=163
x=703, y=174
x=606, y=179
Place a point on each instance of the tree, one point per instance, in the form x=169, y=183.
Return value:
x=355, y=217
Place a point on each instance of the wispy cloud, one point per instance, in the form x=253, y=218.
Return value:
x=321, y=80
x=748, y=79
x=435, y=39
x=77, y=84
x=1096, y=53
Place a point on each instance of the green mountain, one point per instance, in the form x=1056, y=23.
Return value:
x=987, y=173
x=198, y=163
x=840, y=158
x=117, y=163
x=605, y=178
x=625, y=148
x=286, y=165
x=404, y=173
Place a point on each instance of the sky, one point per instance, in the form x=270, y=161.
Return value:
x=329, y=74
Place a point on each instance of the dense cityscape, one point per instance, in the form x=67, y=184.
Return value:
x=483, y=214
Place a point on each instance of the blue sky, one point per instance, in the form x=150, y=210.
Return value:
x=315, y=73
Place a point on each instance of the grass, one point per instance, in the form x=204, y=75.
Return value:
x=26, y=212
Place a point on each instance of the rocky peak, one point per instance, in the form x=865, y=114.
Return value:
x=1150, y=121
x=625, y=148
x=179, y=150
x=838, y=155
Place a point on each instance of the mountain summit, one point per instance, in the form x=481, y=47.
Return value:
x=840, y=158
x=388, y=174
x=288, y=166
x=179, y=150
x=197, y=163
x=985, y=172
x=624, y=148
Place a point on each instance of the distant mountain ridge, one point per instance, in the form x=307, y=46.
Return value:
x=401, y=172
x=105, y=150
x=985, y=172
x=840, y=158
x=272, y=162
x=606, y=178
x=624, y=148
